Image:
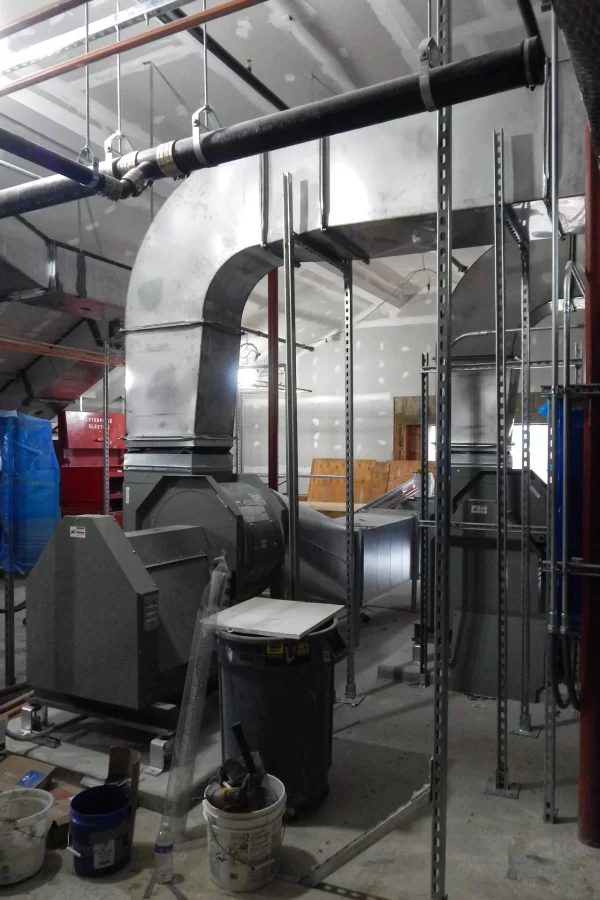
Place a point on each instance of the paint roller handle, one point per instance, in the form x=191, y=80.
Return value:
x=242, y=743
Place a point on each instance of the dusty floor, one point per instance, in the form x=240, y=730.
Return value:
x=497, y=849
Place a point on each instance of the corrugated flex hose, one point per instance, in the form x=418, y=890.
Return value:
x=187, y=740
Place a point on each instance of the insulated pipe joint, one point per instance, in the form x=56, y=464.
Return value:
x=534, y=55
x=137, y=180
x=165, y=160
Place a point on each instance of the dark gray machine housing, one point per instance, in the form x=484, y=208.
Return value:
x=473, y=584
x=111, y=614
x=238, y=514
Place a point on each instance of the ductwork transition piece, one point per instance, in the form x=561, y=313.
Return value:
x=204, y=252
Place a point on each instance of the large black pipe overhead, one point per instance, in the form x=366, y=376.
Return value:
x=492, y=73
x=48, y=159
x=483, y=76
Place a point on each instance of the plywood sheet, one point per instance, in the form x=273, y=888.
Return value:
x=328, y=490
x=403, y=469
x=379, y=480
x=270, y=617
x=333, y=490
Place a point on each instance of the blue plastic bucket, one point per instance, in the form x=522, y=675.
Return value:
x=100, y=822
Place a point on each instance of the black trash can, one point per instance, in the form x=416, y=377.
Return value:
x=282, y=692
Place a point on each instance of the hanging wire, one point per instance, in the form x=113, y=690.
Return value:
x=205, y=65
x=87, y=77
x=118, y=29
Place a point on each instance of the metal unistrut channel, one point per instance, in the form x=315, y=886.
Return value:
x=550, y=704
x=443, y=498
x=423, y=636
x=525, y=728
x=351, y=611
x=499, y=784
x=290, y=385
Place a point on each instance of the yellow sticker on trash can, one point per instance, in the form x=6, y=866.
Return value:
x=304, y=649
x=275, y=650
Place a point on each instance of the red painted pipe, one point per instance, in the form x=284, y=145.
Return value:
x=273, y=380
x=589, y=727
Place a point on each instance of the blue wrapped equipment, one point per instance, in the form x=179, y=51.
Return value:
x=29, y=489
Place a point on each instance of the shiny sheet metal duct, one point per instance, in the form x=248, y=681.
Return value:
x=204, y=252
x=580, y=25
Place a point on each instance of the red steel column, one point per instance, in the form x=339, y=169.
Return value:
x=273, y=381
x=589, y=729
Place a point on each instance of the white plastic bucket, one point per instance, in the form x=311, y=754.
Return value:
x=24, y=823
x=243, y=847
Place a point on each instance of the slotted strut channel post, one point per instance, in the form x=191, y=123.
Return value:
x=499, y=784
x=423, y=670
x=351, y=611
x=525, y=728
x=441, y=581
x=551, y=518
x=290, y=384
x=105, y=434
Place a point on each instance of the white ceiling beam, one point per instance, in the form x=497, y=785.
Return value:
x=289, y=16
x=400, y=25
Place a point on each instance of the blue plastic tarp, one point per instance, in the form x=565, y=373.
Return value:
x=29, y=489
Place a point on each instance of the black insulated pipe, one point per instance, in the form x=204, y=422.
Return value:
x=56, y=190
x=492, y=73
x=483, y=76
x=47, y=159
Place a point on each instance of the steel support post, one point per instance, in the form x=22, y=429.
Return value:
x=151, y=127
x=589, y=723
x=566, y=451
x=290, y=385
x=105, y=435
x=499, y=784
x=551, y=610
x=443, y=497
x=273, y=379
x=525, y=728
x=352, y=612
x=239, y=431
x=424, y=584
x=8, y=479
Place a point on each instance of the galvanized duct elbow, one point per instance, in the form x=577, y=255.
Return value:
x=219, y=234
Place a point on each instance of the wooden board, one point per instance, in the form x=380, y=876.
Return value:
x=379, y=479
x=267, y=616
x=324, y=489
x=403, y=469
x=333, y=490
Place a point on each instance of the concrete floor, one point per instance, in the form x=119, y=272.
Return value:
x=497, y=849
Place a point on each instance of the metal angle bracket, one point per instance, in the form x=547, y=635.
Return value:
x=510, y=791
x=114, y=146
x=429, y=58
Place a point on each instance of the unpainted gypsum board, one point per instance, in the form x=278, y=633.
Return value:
x=40, y=15
x=138, y=40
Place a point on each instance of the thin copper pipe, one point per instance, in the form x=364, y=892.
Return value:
x=138, y=40
x=39, y=15
x=41, y=348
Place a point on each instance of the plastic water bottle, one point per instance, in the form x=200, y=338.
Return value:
x=163, y=855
